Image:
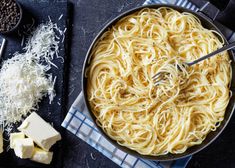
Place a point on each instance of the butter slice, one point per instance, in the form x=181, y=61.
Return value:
x=14, y=137
x=1, y=142
x=41, y=156
x=42, y=133
x=24, y=148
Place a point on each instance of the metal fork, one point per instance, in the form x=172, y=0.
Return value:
x=2, y=47
x=162, y=75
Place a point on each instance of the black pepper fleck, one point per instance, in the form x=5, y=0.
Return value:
x=9, y=15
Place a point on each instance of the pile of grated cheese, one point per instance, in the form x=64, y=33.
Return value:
x=23, y=78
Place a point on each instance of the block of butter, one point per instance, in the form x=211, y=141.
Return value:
x=42, y=133
x=1, y=142
x=41, y=156
x=24, y=148
x=14, y=137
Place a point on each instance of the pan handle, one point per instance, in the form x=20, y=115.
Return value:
x=206, y=8
x=209, y=10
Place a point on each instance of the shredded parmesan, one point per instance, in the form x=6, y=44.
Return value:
x=23, y=78
x=60, y=17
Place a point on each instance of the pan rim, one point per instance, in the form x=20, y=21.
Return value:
x=169, y=156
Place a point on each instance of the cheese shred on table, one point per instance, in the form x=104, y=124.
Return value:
x=23, y=78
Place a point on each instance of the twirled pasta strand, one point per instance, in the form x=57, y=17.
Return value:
x=167, y=118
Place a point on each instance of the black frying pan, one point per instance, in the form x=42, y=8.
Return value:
x=207, y=23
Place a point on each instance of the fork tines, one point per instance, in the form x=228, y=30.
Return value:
x=158, y=77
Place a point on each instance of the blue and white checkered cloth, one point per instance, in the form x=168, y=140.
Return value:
x=78, y=121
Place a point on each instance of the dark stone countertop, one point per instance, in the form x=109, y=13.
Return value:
x=88, y=18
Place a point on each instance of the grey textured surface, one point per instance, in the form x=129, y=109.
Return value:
x=89, y=16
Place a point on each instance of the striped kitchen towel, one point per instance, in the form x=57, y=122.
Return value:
x=78, y=121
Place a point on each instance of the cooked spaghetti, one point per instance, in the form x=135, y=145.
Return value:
x=172, y=116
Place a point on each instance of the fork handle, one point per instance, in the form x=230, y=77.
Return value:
x=2, y=47
x=224, y=48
